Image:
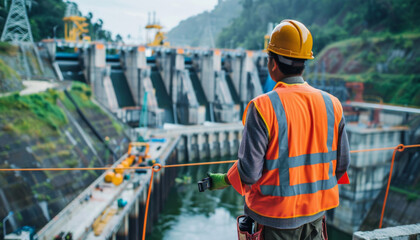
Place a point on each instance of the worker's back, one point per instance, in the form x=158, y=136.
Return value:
x=299, y=173
x=294, y=146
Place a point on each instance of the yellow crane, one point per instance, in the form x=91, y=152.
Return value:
x=74, y=24
x=159, y=36
x=267, y=36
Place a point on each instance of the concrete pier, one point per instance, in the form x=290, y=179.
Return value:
x=178, y=85
x=138, y=74
x=213, y=80
x=368, y=174
x=206, y=141
x=97, y=74
x=133, y=60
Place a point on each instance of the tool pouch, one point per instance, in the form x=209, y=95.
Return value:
x=245, y=229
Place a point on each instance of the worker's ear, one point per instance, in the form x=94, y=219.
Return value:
x=274, y=66
x=271, y=64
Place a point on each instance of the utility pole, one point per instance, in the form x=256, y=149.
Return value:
x=17, y=27
x=143, y=114
x=55, y=30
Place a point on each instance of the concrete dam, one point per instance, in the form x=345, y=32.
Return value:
x=187, y=104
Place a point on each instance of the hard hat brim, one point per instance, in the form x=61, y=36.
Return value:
x=288, y=53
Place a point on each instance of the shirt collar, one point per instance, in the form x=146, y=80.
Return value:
x=293, y=80
x=290, y=81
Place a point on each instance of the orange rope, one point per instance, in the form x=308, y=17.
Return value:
x=166, y=166
x=389, y=182
x=147, y=203
x=198, y=164
x=372, y=149
x=109, y=168
x=412, y=146
x=399, y=148
x=67, y=169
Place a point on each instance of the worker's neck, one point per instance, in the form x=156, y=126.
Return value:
x=284, y=78
x=288, y=76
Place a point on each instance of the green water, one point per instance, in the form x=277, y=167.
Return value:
x=189, y=214
x=336, y=234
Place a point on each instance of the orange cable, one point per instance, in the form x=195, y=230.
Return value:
x=198, y=164
x=67, y=169
x=147, y=204
x=399, y=148
x=166, y=166
x=109, y=168
x=412, y=146
x=372, y=149
x=388, y=185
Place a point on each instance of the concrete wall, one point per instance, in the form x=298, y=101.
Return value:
x=203, y=142
x=368, y=174
x=407, y=232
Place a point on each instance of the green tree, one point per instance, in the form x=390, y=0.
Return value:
x=328, y=20
x=46, y=17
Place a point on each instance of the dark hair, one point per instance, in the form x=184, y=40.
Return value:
x=288, y=69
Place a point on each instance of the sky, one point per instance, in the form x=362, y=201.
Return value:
x=129, y=17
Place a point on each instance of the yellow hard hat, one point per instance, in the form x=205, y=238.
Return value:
x=291, y=39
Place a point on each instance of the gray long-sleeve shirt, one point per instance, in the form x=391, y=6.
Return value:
x=252, y=154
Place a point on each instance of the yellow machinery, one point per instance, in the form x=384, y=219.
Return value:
x=100, y=223
x=74, y=27
x=159, y=36
x=267, y=36
x=138, y=149
x=266, y=40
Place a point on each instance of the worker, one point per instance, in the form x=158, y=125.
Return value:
x=294, y=148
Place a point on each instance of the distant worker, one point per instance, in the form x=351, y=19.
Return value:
x=294, y=148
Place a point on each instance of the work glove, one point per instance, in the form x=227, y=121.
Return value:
x=218, y=181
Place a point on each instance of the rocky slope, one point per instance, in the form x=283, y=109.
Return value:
x=387, y=65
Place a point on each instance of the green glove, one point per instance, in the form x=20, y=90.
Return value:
x=218, y=181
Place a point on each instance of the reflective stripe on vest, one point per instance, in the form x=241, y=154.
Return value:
x=283, y=163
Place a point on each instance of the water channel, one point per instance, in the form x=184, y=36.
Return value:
x=189, y=214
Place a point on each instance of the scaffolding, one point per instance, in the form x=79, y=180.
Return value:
x=74, y=24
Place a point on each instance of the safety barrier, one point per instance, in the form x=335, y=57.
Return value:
x=157, y=167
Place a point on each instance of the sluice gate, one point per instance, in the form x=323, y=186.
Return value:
x=119, y=81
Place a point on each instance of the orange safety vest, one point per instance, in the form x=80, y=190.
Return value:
x=298, y=178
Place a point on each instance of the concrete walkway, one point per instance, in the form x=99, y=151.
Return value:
x=32, y=87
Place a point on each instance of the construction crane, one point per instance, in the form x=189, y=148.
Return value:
x=159, y=36
x=74, y=24
x=267, y=36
